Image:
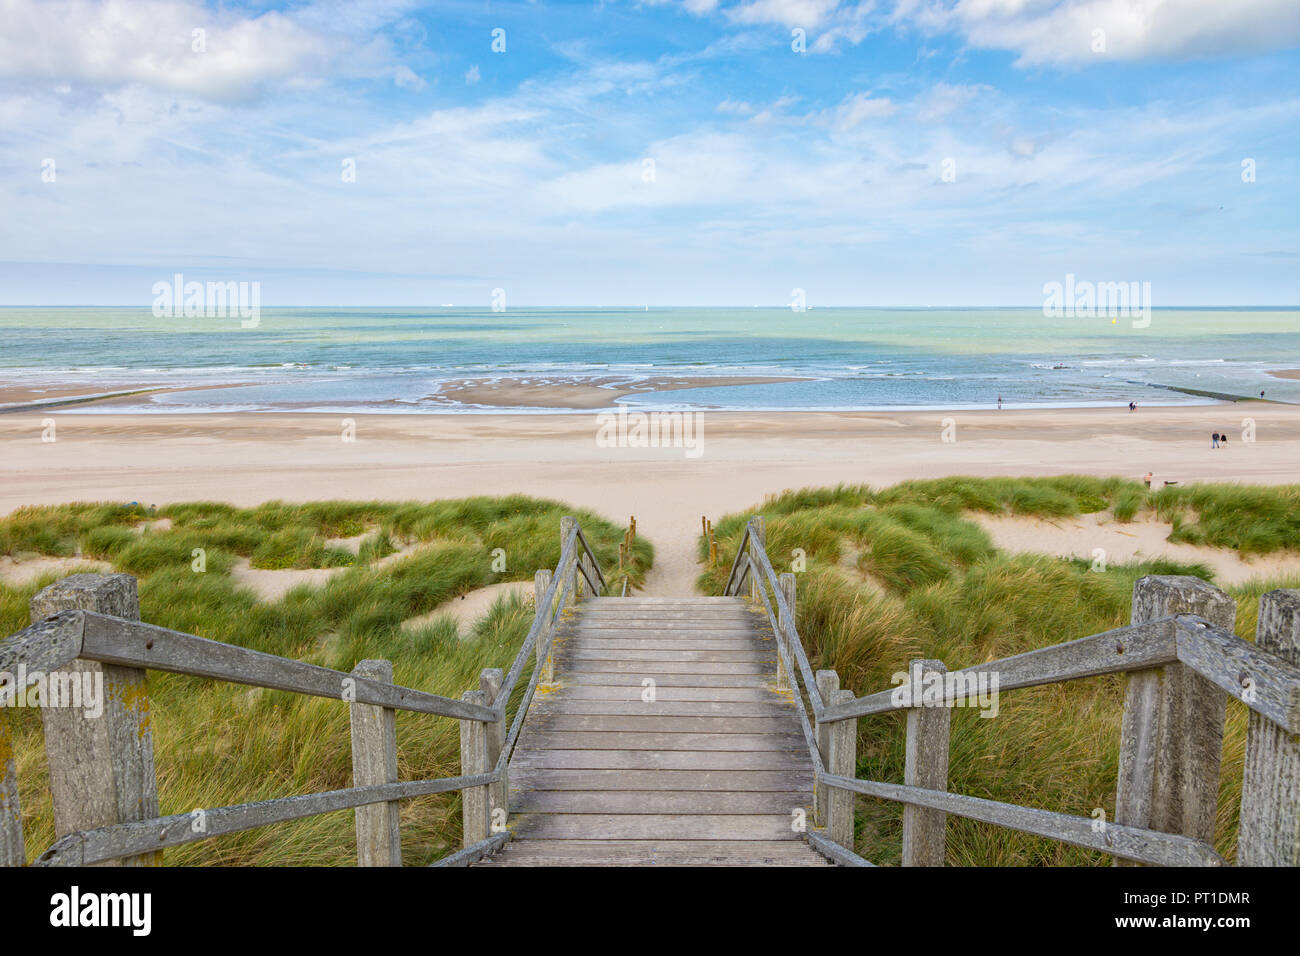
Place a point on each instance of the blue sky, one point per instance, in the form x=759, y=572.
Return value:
x=661, y=153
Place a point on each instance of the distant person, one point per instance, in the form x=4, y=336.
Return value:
x=1223, y=440
x=1261, y=393
x=1214, y=440
x=999, y=403
x=1147, y=480
x=1132, y=406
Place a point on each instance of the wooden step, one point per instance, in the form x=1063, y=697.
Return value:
x=656, y=853
x=747, y=781
x=653, y=826
x=714, y=770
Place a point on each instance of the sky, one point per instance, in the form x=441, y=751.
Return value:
x=661, y=152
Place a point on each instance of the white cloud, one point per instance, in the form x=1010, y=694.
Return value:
x=113, y=43
x=408, y=79
x=855, y=110
x=1063, y=31
x=808, y=14
x=472, y=75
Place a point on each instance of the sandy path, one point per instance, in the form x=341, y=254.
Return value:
x=246, y=459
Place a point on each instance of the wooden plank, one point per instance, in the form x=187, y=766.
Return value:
x=658, y=723
x=1267, y=683
x=1129, y=648
x=473, y=761
x=654, y=826
x=660, y=801
x=665, y=680
x=668, y=625
x=132, y=644
x=101, y=770
x=1171, y=733
x=664, y=708
x=1147, y=846
x=925, y=766
x=660, y=760
x=44, y=646
x=125, y=839
x=619, y=740
x=828, y=686
x=600, y=651
x=630, y=690
x=13, y=850
x=1270, y=792
x=657, y=668
x=842, y=761
x=746, y=644
x=745, y=781
x=656, y=853
x=374, y=762
x=675, y=638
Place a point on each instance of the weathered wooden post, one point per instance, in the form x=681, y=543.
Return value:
x=828, y=685
x=374, y=761
x=541, y=583
x=101, y=768
x=926, y=765
x=1171, y=736
x=568, y=525
x=489, y=682
x=13, y=851
x=474, y=760
x=757, y=541
x=787, y=591
x=1269, y=834
x=843, y=763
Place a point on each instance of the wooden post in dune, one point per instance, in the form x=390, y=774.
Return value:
x=568, y=525
x=787, y=591
x=13, y=852
x=101, y=768
x=843, y=763
x=926, y=765
x=1171, y=736
x=1269, y=834
x=542, y=582
x=374, y=761
x=828, y=685
x=757, y=541
x=474, y=760
x=489, y=681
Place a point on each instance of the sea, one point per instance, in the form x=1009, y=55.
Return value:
x=394, y=360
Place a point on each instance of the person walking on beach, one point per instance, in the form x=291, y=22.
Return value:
x=999, y=403
x=1223, y=440
x=1214, y=440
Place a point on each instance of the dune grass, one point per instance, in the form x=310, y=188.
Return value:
x=217, y=744
x=900, y=573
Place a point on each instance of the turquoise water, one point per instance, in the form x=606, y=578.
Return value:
x=393, y=359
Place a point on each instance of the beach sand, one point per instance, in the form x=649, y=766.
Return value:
x=245, y=459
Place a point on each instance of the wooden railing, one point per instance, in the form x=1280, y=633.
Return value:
x=101, y=770
x=1183, y=661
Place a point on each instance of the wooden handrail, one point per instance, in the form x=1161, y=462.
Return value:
x=142, y=836
x=122, y=642
x=1130, y=843
x=1268, y=683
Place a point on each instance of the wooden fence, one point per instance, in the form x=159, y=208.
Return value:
x=1182, y=661
x=102, y=778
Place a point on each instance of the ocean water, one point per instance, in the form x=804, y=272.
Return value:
x=394, y=359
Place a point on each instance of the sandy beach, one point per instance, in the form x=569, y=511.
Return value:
x=250, y=458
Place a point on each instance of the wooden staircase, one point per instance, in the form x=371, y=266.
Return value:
x=663, y=741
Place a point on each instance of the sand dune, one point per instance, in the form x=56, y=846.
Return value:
x=247, y=459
